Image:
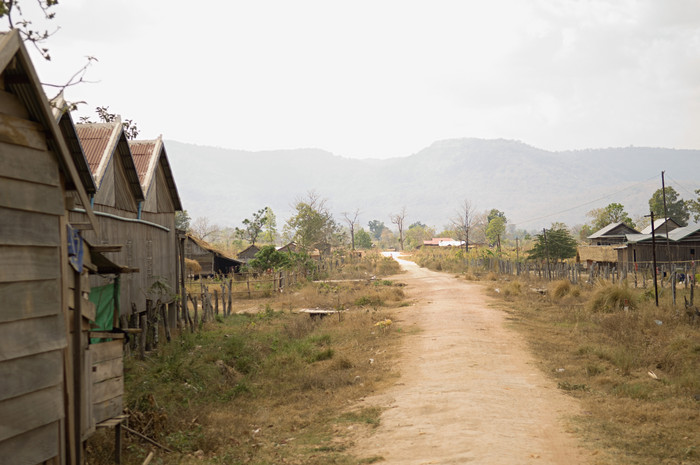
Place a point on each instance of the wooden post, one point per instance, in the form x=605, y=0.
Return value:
x=247, y=282
x=149, y=319
x=166, y=326
x=216, y=302
x=230, y=295
x=144, y=335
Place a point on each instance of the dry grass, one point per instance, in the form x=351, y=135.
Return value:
x=603, y=354
x=265, y=385
x=266, y=388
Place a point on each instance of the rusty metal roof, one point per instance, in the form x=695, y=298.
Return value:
x=148, y=154
x=94, y=139
x=100, y=142
x=142, y=151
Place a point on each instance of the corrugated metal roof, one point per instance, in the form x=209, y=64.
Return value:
x=142, y=152
x=94, y=139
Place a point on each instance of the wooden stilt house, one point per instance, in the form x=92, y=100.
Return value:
x=45, y=361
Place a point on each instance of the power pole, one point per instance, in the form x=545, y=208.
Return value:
x=653, y=255
x=668, y=246
x=546, y=251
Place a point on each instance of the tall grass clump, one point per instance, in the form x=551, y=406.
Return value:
x=611, y=297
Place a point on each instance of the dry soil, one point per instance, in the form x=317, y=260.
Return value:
x=469, y=390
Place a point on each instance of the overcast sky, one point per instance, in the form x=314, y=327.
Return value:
x=388, y=78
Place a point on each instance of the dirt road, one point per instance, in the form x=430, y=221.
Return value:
x=469, y=391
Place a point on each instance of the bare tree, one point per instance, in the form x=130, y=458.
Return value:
x=398, y=220
x=463, y=222
x=201, y=228
x=351, y=220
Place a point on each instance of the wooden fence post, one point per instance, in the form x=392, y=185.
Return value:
x=164, y=317
x=143, y=336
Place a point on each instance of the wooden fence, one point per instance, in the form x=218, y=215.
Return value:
x=637, y=274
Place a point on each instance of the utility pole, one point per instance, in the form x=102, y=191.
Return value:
x=668, y=246
x=546, y=251
x=517, y=257
x=653, y=255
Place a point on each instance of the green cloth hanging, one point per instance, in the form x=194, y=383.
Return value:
x=106, y=299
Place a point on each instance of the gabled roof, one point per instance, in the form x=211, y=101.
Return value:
x=248, y=250
x=210, y=248
x=147, y=155
x=100, y=142
x=685, y=232
x=61, y=113
x=676, y=235
x=659, y=223
x=22, y=81
x=618, y=229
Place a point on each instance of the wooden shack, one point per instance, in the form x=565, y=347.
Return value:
x=135, y=205
x=248, y=253
x=211, y=260
x=612, y=234
x=161, y=201
x=45, y=362
x=683, y=247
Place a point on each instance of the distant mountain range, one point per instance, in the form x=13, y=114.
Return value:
x=533, y=187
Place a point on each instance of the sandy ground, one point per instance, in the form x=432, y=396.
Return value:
x=469, y=391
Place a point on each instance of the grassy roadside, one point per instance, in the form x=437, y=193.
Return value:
x=634, y=367
x=266, y=385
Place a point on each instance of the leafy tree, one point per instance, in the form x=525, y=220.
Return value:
x=363, y=240
x=376, y=227
x=253, y=228
x=418, y=233
x=313, y=225
x=676, y=207
x=496, y=214
x=417, y=224
x=495, y=230
x=398, y=220
x=613, y=213
x=269, y=258
x=694, y=206
x=557, y=244
x=182, y=220
x=269, y=233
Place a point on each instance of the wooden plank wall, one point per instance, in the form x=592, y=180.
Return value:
x=32, y=323
x=150, y=249
x=107, y=379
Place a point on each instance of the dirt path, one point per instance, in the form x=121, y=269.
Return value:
x=469, y=390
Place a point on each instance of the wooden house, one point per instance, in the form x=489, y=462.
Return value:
x=248, y=253
x=161, y=201
x=661, y=225
x=46, y=362
x=612, y=234
x=290, y=247
x=683, y=247
x=135, y=204
x=211, y=260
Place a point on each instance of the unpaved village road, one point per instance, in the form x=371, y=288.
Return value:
x=469, y=391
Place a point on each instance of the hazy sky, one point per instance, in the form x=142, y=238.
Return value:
x=388, y=78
